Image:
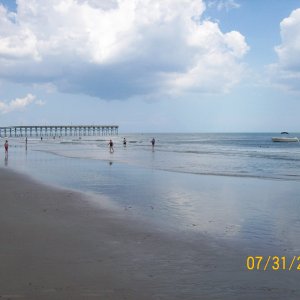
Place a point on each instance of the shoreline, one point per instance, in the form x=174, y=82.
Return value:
x=55, y=244
x=178, y=200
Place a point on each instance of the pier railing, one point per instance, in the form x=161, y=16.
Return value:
x=69, y=130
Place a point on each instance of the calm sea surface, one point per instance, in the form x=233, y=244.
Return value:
x=251, y=154
x=240, y=186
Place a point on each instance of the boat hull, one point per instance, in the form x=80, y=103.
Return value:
x=285, y=139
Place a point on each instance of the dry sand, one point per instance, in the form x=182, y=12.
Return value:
x=57, y=244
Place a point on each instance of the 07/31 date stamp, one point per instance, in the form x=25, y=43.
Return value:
x=274, y=263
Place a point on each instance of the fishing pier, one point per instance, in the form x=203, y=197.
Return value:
x=50, y=130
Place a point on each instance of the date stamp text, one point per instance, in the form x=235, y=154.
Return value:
x=273, y=263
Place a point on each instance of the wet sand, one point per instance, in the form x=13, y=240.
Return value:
x=59, y=244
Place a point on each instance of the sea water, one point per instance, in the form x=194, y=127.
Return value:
x=231, y=154
x=234, y=186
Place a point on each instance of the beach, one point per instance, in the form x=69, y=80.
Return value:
x=180, y=221
x=61, y=244
x=149, y=150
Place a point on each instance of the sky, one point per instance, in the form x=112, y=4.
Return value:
x=151, y=65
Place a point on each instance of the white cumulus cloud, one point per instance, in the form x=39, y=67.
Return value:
x=117, y=49
x=286, y=72
x=18, y=103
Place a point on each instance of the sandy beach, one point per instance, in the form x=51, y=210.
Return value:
x=58, y=244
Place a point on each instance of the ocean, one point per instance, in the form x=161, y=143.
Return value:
x=240, y=187
x=230, y=154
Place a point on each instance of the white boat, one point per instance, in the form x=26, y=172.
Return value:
x=285, y=139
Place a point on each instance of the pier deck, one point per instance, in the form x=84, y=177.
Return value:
x=59, y=130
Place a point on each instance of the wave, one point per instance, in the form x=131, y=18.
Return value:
x=258, y=173
x=292, y=177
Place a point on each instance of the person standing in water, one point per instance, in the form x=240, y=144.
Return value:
x=124, y=142
x=6, y=147
x=111, y=146
x=153, y=142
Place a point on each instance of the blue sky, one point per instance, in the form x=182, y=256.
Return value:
x=151, y=65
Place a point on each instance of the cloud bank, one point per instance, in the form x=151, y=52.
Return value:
x=18, y=104
x=286, y=72
x=117, y=49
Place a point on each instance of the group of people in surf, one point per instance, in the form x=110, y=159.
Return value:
x=111, y=144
